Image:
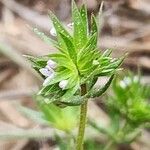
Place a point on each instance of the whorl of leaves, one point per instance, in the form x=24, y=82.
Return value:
x=76, y=57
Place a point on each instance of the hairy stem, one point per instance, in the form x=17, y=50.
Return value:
x=83, y=113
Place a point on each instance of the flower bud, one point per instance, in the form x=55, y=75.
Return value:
x=46, y=72
x=63, y=84
x=51, y=64
x=53, y=32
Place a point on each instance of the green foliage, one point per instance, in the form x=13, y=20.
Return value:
x=78, y=60
x=128, y=109
x=130, y=99
x=63, y=119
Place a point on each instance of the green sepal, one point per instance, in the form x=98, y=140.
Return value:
x=74, y=100
x=100, y=91
x=62, y=75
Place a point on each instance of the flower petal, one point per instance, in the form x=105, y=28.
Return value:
x=46, y=72
x=53, y=32
x=52, y=64
x=63, y=84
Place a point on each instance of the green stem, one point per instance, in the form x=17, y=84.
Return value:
x=83, y=114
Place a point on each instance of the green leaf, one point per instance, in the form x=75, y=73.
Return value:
x=61, y=59
x=107, y=53
x=94, y=28
x=46, y=90
x=62, y=75
x=50, y=114
x=74, y=100
x=58, y=25
x=60, y=30
x=74, y=80
x=92, y=82
x=33, y=115
x=37, y=62
x=80, y=34
x=70, y=47
x=63, y=119
x=90, y=46
x=69, y=93
x=44, y=37
x=100, y=91
x=83, y=13
x=100, y=18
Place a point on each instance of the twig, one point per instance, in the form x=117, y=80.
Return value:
x=17, y=58
x=15, y=94
x=12, y=132
x=6, y=75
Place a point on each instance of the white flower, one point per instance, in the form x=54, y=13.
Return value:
x=127, y=80
x=63, y=84
x=70, y=25
x=53, y=32
x=46, y=72
x=95, y=62
x=136, y=79
x=48, y=79
x=51, y=64
x=123, y=85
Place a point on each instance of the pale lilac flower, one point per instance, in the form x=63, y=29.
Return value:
x=70, y=25
x=48, y=79
x=46, y=72
x=52, y=64
x=63, y=84
x=53, y=32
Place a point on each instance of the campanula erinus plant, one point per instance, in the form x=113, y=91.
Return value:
x=71, y=73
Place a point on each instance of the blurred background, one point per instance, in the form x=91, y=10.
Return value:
x=125, y=28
